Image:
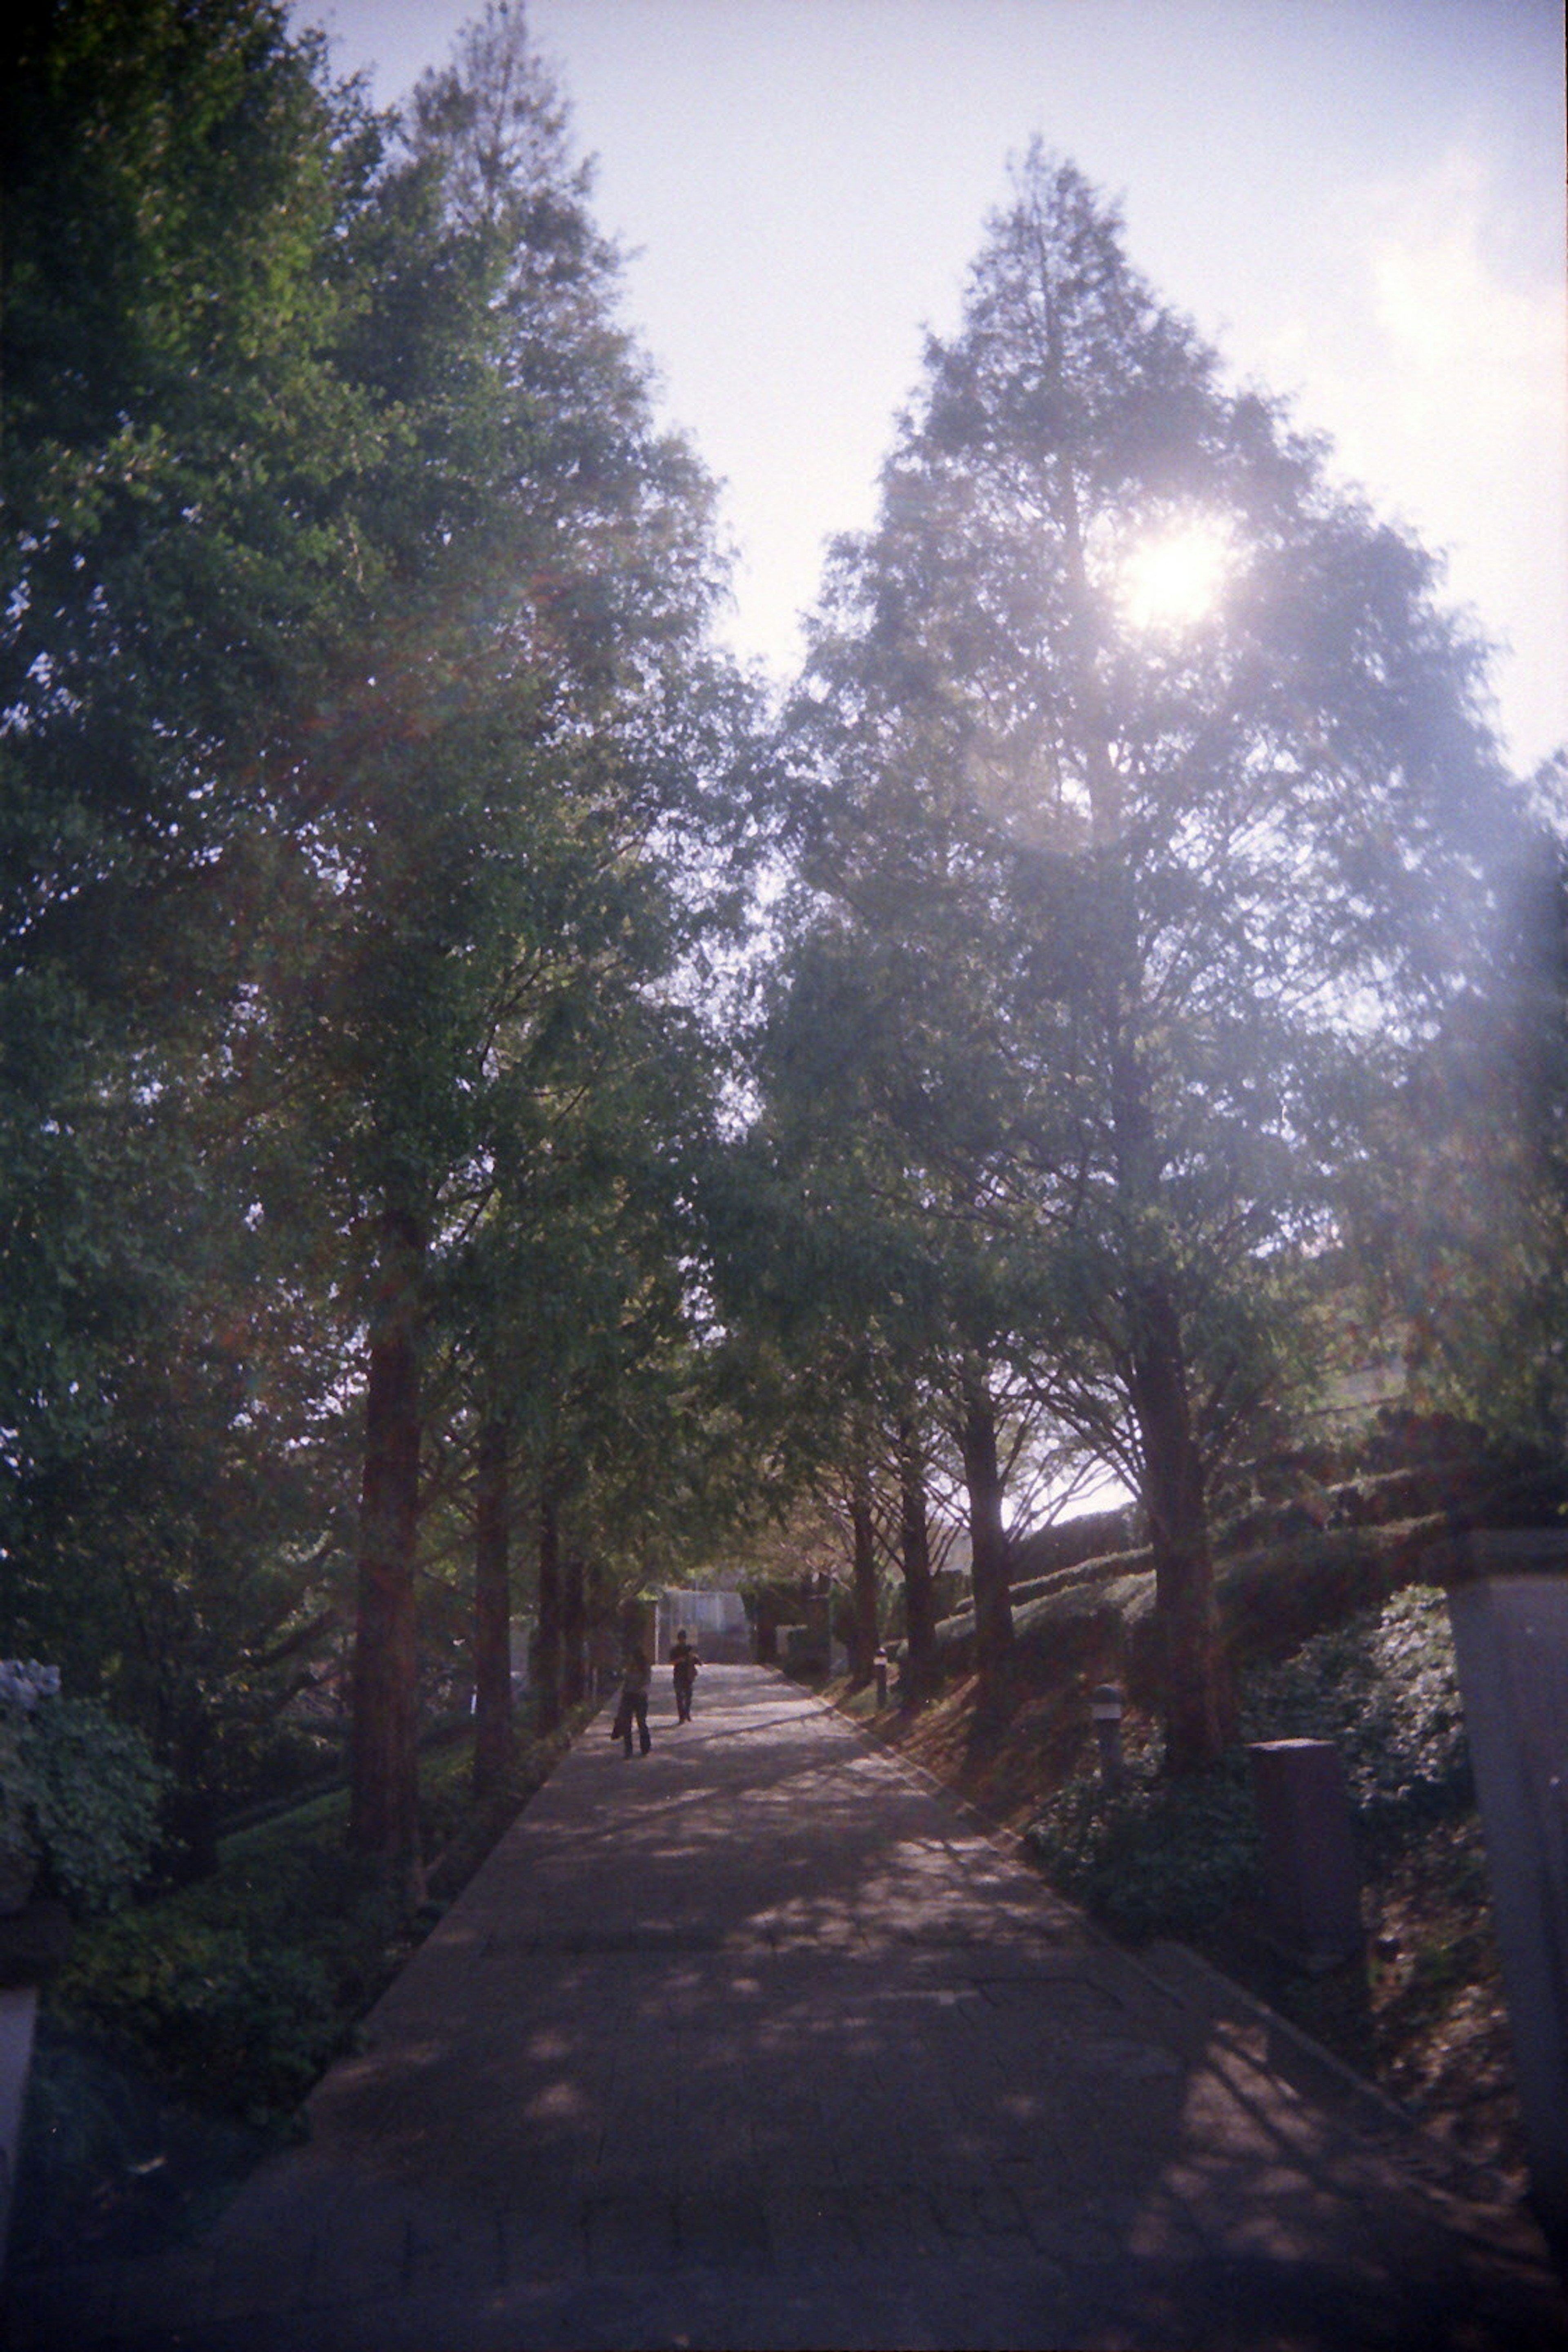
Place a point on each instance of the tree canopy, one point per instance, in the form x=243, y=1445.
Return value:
x=398, y=1218
x=371, y=803
x=1156, y=791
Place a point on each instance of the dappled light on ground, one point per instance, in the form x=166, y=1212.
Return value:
x=757, y=2041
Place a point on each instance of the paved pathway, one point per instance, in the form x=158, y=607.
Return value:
x=758, y=2042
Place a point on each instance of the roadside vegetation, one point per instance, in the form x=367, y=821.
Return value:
x=502, y=1111
x=180, y=2037
x=1420, y=2011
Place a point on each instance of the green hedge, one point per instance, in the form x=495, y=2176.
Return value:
x=238, y=1991
x=1166, y=1857
x=1158, y=1858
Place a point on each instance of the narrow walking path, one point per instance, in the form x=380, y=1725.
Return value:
x=756, y=2042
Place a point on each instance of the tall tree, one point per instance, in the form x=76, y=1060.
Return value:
x=1169, y=747
x=516, y=836
x=915, y=1558
x=361, y=745
x=871, y=1254
x=182, y=442
x=493, y=1743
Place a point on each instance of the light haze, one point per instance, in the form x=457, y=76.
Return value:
x=1360, y=201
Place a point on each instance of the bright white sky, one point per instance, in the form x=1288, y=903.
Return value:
x=1360, y=201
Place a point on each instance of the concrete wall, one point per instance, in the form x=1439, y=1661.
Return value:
x=715, y=1620
x=1510, y=1636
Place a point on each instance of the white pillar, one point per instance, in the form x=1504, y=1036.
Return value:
x=1510, y=1636
x=18, y=2008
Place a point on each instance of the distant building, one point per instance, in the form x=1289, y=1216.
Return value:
x=1357, y=1395
x=716, y=1622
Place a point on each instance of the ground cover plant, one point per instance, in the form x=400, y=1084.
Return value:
x=180, y=2037
x=1164, y=1857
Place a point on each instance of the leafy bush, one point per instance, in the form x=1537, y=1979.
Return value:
x=267, y=1771
x=248, y=2029
x=1319, y=1581
x=1167, y=1857
x=1386, y=1690
x=91, y=1789
x=1156, y=1857
x=239, y=1990
x=79, y=1792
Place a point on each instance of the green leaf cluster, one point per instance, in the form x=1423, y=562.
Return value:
x=1167, y=1857
x=1385, y=1689
x=87, y=1789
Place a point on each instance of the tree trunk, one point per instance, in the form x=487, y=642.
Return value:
x=914, y=1550
x=190, y=1812
x=573, y=1630
x=863, y=1587
x=383, y=1802
x=987, y=1536
x=767, y=1628
x=492, y=1613
x=1199, y=1709
x=1199, y=1706
x=547, y=1640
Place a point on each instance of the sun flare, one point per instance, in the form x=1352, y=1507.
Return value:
x=1175, y=579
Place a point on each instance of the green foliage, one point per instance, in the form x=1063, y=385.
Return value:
x=1277, y=1596
x=187, y=444
x=222, y=2018
x=92, y=1790
x=1157, y=1858
x=1385, y=1689
x=1168, y=1856
x=79, y=1792
x=239, y=1990
x=183, y=448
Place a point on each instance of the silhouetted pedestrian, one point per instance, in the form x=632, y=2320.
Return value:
x=683, y=1662
x=634, y=1699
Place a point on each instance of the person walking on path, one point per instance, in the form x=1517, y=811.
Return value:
x=634, y=1699
x=683, y=1661
x=923, y=2103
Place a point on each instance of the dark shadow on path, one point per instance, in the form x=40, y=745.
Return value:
x=756, y=2040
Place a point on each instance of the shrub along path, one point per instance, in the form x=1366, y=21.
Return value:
x=759, y=2042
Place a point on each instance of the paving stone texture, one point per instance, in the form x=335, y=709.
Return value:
x=760, y=2040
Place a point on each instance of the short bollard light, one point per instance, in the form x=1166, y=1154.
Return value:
x=881, y=1663
x=1105, y=1713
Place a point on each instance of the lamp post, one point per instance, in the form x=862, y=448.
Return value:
x=1105, y=1713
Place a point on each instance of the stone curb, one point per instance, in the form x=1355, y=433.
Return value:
x=1380, y=2107
x=1478, y=2179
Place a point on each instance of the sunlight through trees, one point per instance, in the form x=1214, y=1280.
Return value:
x=497, y=1116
